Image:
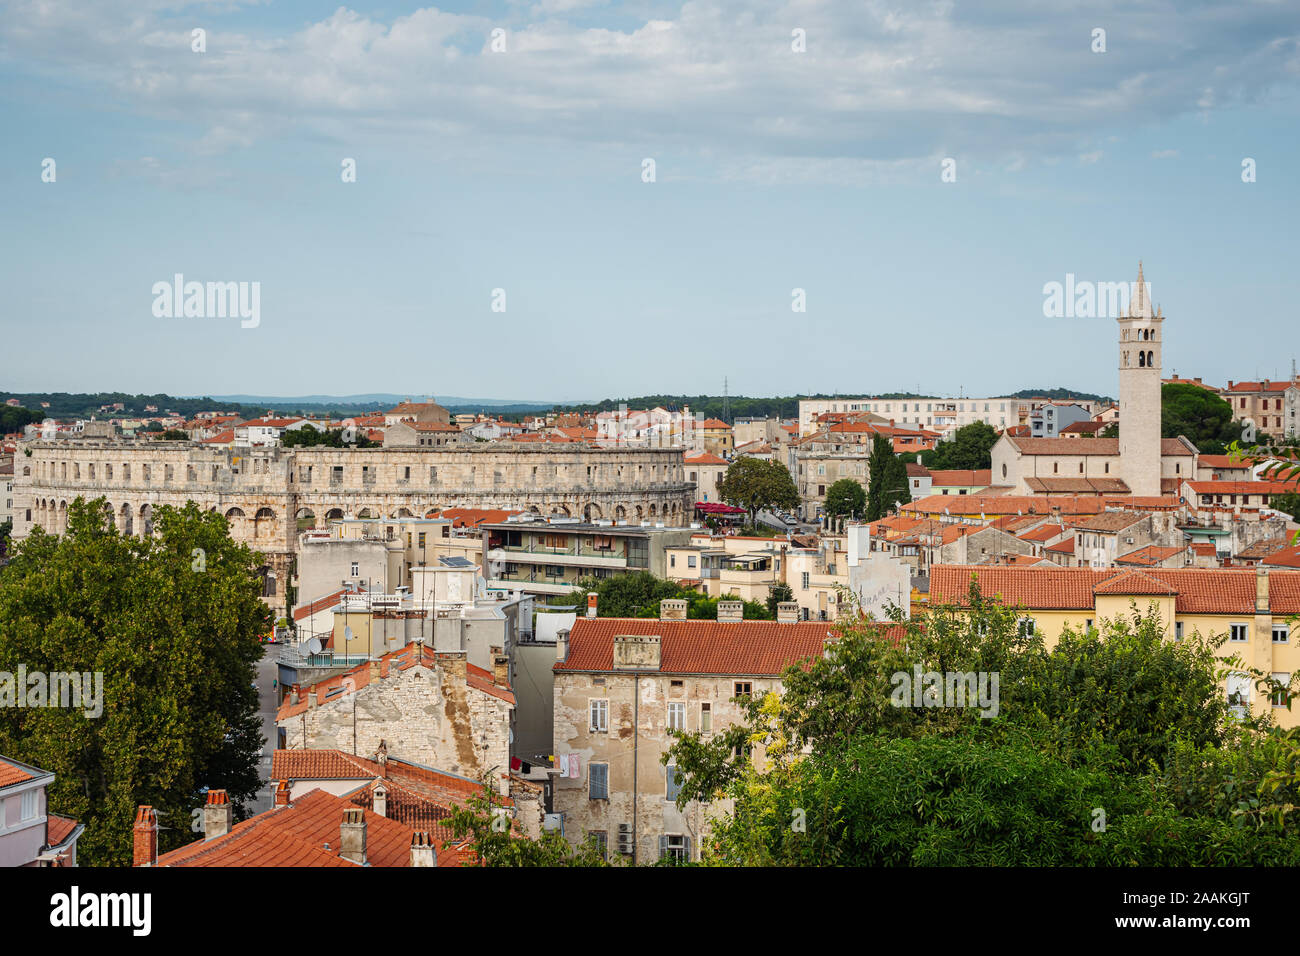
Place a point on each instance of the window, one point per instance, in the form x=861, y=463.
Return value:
x=803, y=580
x=744, y=688
x=1178, y=630
x=674, y=779
x=672, y=560
x=356, y=569
x=420, y=539
x=1278, y=699
x=676, y=715
x=1026, y=627
x=601, y=840
x=690, y=560
x=598, y=781
x=599, y=723
x=1281, y=633
x=1239, y=693
x=1087, y=625
x=676, y=846
x=1238, y=632
x=706, y=718
x=28, y=808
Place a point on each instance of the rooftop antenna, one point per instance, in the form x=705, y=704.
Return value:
x=726, y=404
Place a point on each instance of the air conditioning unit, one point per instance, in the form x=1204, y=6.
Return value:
x=625, y=839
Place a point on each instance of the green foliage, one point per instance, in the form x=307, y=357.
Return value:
x=638, y=594
x=497, y=844
x=1289, y=502
x=755, y=485
x=971, y=448
x=176, y=640
x=16, y=418
x=174, y=434
x=846, y=497
x=777, y=594
x=1199, y=414
x=310, y=437
x=887, y=479
x=1113, y=748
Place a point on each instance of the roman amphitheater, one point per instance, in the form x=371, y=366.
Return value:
x=267, y=494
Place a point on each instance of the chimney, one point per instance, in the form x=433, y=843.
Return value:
x=731, y=611
x=145, y=846
x=1230, y=383
x=591, y=605
x=352, y=835
x=1261, y=590
x=282, y=793
x=636, y=652
x=672, y=609
x=217, y=815
x=296, y=694
x=422, y=849
x=787, y=612
x=562, y=645
x=500, y=668
x=381, y=800
x=374, y=670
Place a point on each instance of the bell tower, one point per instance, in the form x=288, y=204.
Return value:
x=1139, y=392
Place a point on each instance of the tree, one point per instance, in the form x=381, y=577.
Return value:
x=496, y=843
x=779, y=594
x=846, y=497
x=14, y=418
x=310, y=437
x=1288, y=502
x=171, y=625
x=971, y=448
x=887, y=479
x=1199, y=414
x=174, y=434
x=1116, y=718
x=756, y=485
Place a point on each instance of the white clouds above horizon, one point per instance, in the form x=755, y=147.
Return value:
x=880, y=86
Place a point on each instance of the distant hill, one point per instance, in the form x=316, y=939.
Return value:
x=1060, y=395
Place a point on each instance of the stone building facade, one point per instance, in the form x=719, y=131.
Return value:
x=268, y=493
x=621, y=685
x=426, y=707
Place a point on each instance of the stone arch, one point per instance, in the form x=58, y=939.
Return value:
x=592, y=512
x=640, y=512
x=367, y=513
x=263, y=523
x=652, y=511
x=564, y=510
x=305, y=518
x=403, y=513
x=1142, y=359
x=334, y=514
x=535, y=510
x=1151, y=359
x=146, y=520
x=27, y=471
x=126, y=520
x=620, y=513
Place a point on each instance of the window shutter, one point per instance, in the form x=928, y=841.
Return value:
x=663, y=847
x=686, y=842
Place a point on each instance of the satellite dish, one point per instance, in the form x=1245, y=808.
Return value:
x=314, y=646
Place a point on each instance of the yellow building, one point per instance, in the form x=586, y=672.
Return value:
x=1252, y=608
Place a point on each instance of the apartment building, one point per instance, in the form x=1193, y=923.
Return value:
x=1272, y=406
x=622, y=685
x=551, y=556
x=1050, y=419
x=706, y=471
x=1250, y=607
x=935, y=414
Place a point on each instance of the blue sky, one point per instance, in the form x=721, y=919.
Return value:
x=521, y=170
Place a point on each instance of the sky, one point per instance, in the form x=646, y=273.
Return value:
x=921, y=171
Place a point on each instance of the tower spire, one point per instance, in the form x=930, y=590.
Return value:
x=1139, y=307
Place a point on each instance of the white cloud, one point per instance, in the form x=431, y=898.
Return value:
x=879, y=85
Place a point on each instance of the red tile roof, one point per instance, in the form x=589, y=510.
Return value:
x=58, y=829
x=1222, y=462
x=1150, y=555
x=473, y=517
x=1094, y=446
x=741, y=648
x=1269, y=386
x=1285, y=558
x=1077, y=485
x=705, y=459
x=297, y=834
x=1199, y=590
x=1241, y=487
x=959, y=478
x=714, y=424
x=11, y=773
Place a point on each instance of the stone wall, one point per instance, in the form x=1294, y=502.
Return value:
x=263, y=491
